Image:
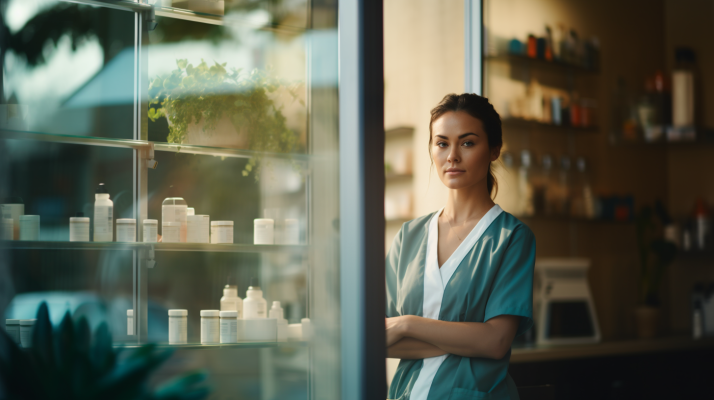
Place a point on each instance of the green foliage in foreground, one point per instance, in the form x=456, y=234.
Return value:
x=71, y=363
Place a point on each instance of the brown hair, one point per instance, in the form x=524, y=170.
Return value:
x=479, y=108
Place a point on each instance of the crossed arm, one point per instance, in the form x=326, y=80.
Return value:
x=413, y=337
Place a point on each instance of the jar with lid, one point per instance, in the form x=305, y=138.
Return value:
x=79, y=228
x=198, y=228
x=178, y=326
x=151, y=230
x=126, y=230
x=222, y=232
x=174, y=209
x=263, y=232
x=29, y=227
x=229, y=326
x=210, y=327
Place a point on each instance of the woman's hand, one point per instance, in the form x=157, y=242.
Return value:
x=396, y=328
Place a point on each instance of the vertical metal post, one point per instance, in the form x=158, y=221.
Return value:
x=361, y=98
x=473, y=41
x=140, y=180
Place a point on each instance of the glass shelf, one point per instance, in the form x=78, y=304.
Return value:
x=119, y=246
x=138, y=144
x=124, y=5
x=242, y=345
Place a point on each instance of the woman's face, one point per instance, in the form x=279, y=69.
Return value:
x=460, y=150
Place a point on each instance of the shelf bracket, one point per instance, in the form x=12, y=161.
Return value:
x=151, y=163
x=150, y=18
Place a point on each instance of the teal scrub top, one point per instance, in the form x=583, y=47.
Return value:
x=489, y=274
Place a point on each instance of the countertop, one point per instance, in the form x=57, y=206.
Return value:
x=536, y=353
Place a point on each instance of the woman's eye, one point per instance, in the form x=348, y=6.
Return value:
x=441, y=144
x=468, y=144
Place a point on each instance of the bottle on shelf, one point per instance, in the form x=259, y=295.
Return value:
x=254, y=305
x=103, y=215
x=583, y=201
x=562, y=189
x=12, y=208
x=542, y=185
x=276, y=312
x=525, y=186
x=702, y=225
x=230, y=300
x=174, y=209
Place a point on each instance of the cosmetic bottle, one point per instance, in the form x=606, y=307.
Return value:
x=254, y=305
x=103, y=215
x=230, y=300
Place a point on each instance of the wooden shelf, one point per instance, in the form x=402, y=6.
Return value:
x=526, y=123
x=540, y=63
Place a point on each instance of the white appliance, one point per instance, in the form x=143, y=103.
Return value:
x=564, y=308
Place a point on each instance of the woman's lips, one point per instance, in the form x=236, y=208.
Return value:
x=454, y=171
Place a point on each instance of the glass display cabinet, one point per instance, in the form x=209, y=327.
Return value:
x=229, y=105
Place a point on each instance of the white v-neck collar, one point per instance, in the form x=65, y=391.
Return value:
x=435, y=281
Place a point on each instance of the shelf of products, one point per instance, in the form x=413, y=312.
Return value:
x=526, y=123
x=120, y=246
x=241, y=345
x=541, y=63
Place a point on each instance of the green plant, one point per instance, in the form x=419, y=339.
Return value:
x=189, y=95
x=650, y=242
x=68, y=363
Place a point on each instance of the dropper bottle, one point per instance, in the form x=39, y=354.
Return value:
x=230, y=300
x=254, y=305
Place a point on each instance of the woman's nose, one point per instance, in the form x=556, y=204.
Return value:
x=454, y=156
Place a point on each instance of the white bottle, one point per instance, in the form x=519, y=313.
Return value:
x=229, y=327
x=230, y=300
x=254, y=305
x=173, y=209
x=277, y=312
x=103, y=215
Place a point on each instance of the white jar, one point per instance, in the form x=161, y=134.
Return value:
x=151, y=230
x=210, y=327
x=12, y=209
x=8, y=229
x=230, y=300
x=178, y=326
x=198, y=228
x=292, y=232
x=171, y=232
x=173, y=209
x=190, y=211
x=79, y=228
x=12, y=327
x=229, y=326
x=126, y=230
x=26, y=328
x=222, y=232
x=29, y=227
x=254, y=305
x=263, y=229
x=130, y=322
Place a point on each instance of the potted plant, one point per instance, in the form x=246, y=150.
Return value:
x=212, y=106
x=656, y=253
x=71, y=363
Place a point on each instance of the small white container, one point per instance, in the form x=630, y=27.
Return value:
x=258, y=329
x=263, y=231
x=307, y=329
x=130, y=322
x=126, y=230
x=29, y=227
x=210, y=327
x=229, y=326
x=198, y=228
x=230, y=300
x=12, y=209
x=222, y=232
x=276, y=312
x=79, y=228
x=173, y=209
x=103, y=215
x=254, y=305
x=171, y=232
x=26, y=328
x=292, y=232
x=295, y=332
x=151, y=231
x=8, y=229
x=178, y=326
x=190, y=211
x=12, y=327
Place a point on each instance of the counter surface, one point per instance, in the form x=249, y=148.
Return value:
x=536, y=353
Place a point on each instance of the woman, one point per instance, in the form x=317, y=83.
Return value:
x=460, y=280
